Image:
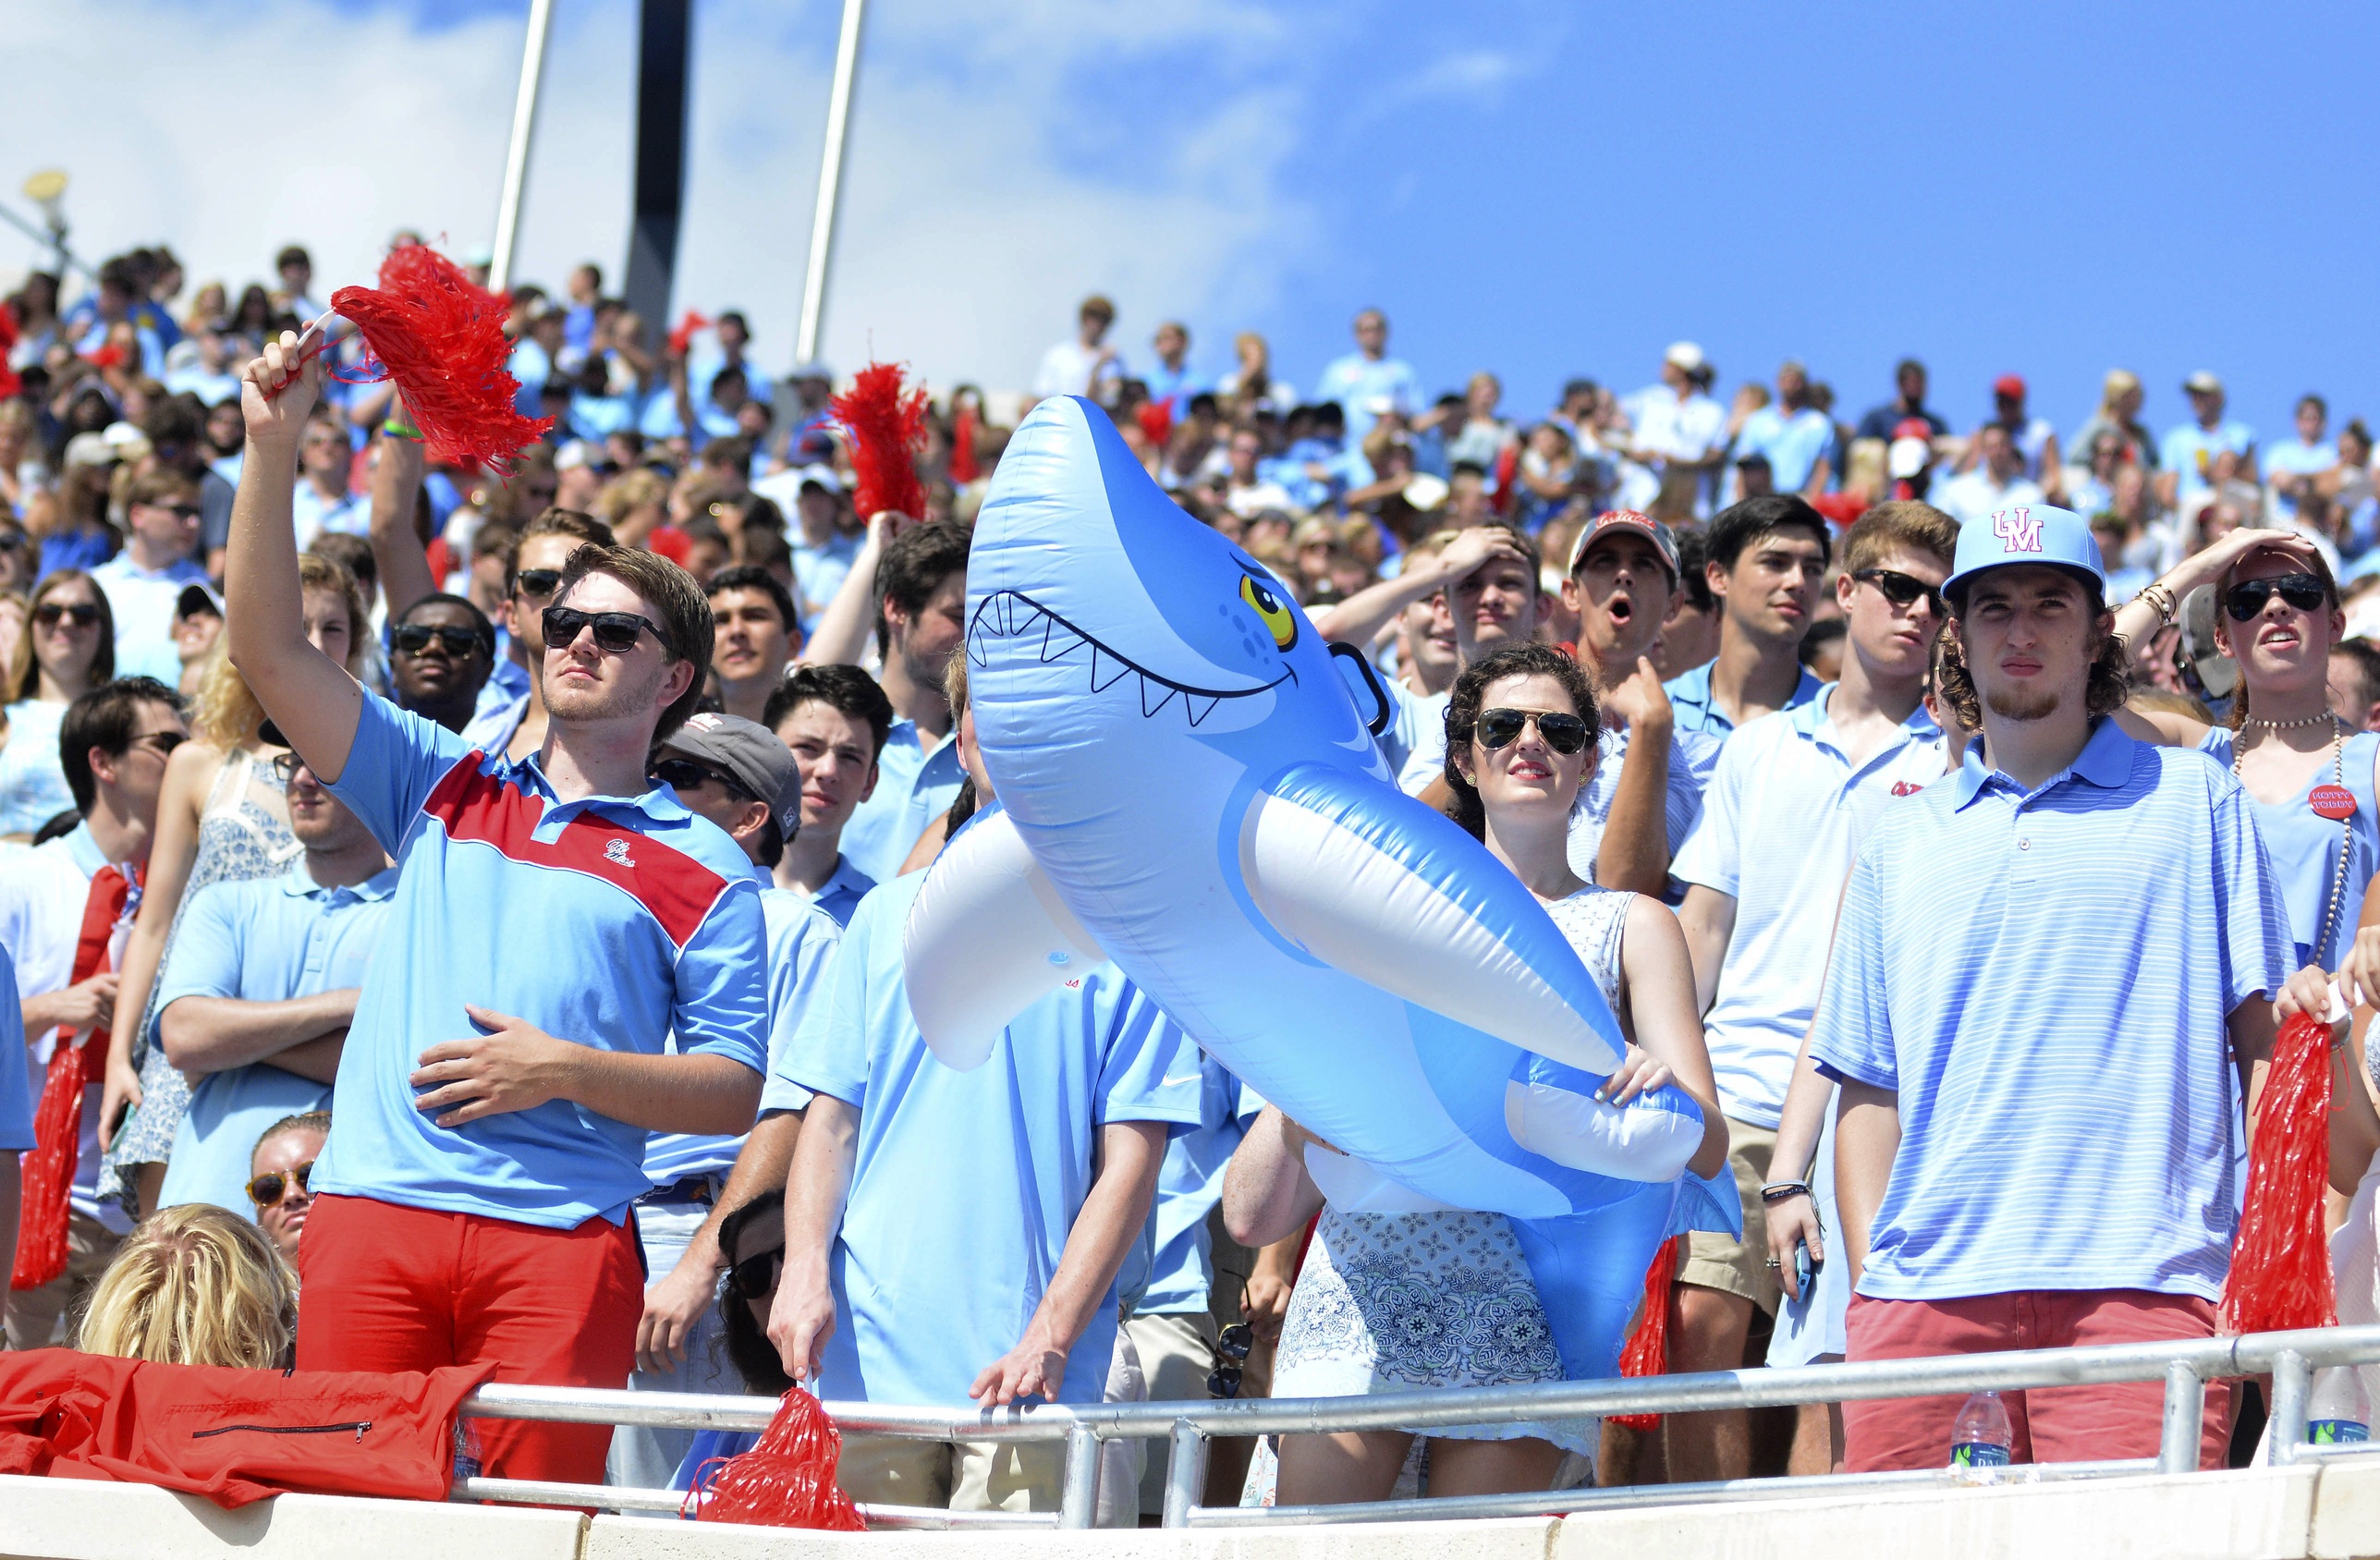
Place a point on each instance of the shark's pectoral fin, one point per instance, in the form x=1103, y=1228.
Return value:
x=1375, y=884
x=987, y=936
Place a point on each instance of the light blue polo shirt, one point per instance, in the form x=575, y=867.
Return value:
x=2297, y=458
x=266, y=939
x=1782, y=819
x=819, y=571
x=2190, y=450
x=15, y=1068
x=965, y=1184
x=839, y=894
x=1690, y=700
x=801, y=945
x=913, y=788
x=1172, y=1267
x=2043, y=977
x=608, y=921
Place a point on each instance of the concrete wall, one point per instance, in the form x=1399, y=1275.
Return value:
x=2292, y=1514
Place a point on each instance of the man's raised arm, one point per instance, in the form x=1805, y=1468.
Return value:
x=310, y=696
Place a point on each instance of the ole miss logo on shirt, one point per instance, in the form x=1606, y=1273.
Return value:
x=2018, y=530
x=1905, y=788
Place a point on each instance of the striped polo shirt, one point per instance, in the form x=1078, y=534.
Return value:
x=2043, y=977
x=610, y=921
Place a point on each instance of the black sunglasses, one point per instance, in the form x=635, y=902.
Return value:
x=286, y=767
x=1500, y=728
x=2247, y=599
x=182, y=511
x=684, y=775
x=755, y=1278
x=1900, y=589
x=536, y=581
x=1231, y=1347
x=415, y=638
x=10, y=541
x=616, y=632
x=267, y=1188
x=49, y=613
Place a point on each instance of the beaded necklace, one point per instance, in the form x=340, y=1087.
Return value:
x=2346, y=821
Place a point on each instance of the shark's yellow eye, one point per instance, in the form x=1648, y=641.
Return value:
x=1279, y=621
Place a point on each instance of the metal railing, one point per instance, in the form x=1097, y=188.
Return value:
x=2185, y=1367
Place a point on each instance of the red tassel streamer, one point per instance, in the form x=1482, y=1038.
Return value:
x=963, y=468
x=1156, y=423
x=888, y=427
x=1647, y=1353
x=2280, y=1260
x=441, y=340
x=786, y=1481
x=49, y=1169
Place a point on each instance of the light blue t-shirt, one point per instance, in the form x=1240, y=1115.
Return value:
x=608, y=921
x=265, y=940
x=1782, y=818
x=2043, y=977
x=2297, y=458
x=33, y=775
x=913, y=788
x=818, y=572
x=1356, y=380
x=16, y=1067
x=2304, y=846
x=2190, y=450
x=801, y=945
x=1694, y=709
x=965, y=1184
x=1792, y=441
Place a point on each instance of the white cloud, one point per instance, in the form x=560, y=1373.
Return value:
x=983, y=194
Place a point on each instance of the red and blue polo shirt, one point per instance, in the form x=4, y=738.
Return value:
x=611, y=922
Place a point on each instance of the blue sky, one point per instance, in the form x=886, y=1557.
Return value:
x=1544, y=190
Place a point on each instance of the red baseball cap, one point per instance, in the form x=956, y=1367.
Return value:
x=1664, y=540
x=2009, y=384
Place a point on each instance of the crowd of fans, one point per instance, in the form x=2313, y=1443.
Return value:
x=654, y=730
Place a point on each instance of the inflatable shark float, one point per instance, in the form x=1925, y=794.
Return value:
x=1188, y=785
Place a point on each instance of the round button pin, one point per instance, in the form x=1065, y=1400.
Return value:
x=2333, y=801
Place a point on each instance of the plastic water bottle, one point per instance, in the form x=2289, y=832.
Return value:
x=467, y=1449
x=1979, y=1436
x=2338, y=1411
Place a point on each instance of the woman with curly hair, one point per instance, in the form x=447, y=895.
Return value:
x=1392, y=1298
x=195, y=1284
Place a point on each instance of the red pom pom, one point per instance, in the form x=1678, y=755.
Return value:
x=2280, y=1260
x=1648, y=1347
x=788, y=1481
x=888, y=428
x=683, y=336
x=441, y=340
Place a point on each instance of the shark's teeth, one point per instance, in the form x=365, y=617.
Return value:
x=1022, y=617
x=979, y=644
x=1004, y=615
x=1105, y=669
x=1059, y=640
x=1200, y=708
x=1154, y=695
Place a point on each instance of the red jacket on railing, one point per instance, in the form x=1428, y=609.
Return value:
x=231, y=1436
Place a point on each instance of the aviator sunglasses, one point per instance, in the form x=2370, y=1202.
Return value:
x=2247, y=599
x=266, y=1190
x=616, y=632
x=1900, y=589
x=1500, y=728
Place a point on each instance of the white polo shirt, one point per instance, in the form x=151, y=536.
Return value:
x=1783, y=817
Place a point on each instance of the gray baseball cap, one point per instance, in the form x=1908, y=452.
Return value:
x=750, y=754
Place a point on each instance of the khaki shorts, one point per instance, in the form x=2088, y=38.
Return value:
x=962, y=1476
x=1740, y=1267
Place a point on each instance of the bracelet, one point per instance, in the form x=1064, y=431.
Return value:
x=1779, y=1191
x=397, y=429
x=2162, y=601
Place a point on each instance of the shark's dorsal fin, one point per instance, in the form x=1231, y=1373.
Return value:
x=986, y=937
x=1362, y=878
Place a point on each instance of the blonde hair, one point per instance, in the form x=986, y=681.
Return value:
x=631, y=491
x=225, y=713
x=194, y=1285
x=2118, y=384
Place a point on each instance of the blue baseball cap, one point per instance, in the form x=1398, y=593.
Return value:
x=2026, y=533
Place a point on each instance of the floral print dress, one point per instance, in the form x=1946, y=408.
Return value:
x=1392, y=1302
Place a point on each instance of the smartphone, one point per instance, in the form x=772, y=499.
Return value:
x=1804, y=1270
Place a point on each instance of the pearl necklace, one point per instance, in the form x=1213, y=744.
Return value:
x=2346, y=824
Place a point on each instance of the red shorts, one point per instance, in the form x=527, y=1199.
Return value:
x=391, y=1289
x=2052, y=1424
